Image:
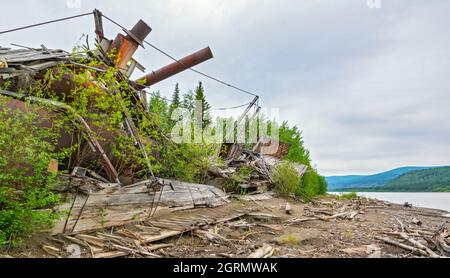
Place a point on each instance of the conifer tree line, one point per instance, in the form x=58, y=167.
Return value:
x=189, y=101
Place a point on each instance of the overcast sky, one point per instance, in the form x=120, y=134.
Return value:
x=369, y=87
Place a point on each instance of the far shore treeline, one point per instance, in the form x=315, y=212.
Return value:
x=405, y=179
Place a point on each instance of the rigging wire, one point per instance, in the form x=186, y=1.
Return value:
x=151, y=45
x=212, y=108
x=199, y=72
x=45, y=22
x=232, y=107
x=178, y=61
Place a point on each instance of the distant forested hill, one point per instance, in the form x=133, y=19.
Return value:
x=428, y=180
x=368, y=182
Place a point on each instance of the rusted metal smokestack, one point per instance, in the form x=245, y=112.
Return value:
x=127, y=45
x=139, y=32
x=176, y=67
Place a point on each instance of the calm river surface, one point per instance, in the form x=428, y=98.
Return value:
x=424, y=200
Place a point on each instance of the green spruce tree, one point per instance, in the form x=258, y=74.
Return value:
x=200, y=99
x=188, y=101
x=176, y=102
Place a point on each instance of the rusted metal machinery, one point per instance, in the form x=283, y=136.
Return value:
x=23, y=66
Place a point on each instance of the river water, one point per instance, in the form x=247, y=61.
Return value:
x=425, y=200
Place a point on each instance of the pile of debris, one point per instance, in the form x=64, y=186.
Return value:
x=148, y=238
x=141, y=239
x=262, y=162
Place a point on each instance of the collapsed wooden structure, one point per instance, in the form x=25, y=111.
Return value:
x=100, y=200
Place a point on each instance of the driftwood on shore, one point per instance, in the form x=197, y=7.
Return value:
x=266, y=251
x=442, y=239
x=418, y=242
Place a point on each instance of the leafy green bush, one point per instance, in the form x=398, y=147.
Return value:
x=297, y=151
x=25, y=182
x=186, y=162
x=312, y=183
x=286, y=178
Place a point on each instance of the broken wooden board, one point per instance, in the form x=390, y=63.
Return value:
x=116, y=206
x=267, y=146
x=273, y=162
x=19, y=56
x=257, y=197
x=178, y=194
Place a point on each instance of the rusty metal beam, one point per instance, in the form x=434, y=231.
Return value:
x=176, y=67
x=98, y=25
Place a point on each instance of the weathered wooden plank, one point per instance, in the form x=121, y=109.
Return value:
x=27, y=55
x=113, y=206
x=95, y=218
x=163, y=235
x=169, y=226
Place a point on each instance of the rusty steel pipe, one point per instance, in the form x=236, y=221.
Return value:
x=176, y=67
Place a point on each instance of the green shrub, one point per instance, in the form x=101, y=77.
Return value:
x=286, y=179
x=312, y=185
x=25, y=182
x=348, y=196
x=291, y=240
x=186, y=162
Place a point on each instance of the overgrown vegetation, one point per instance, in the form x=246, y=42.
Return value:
x=26, y=183
x=27, y=146
x=185, y=161
x=238, y=179
x=287, y=181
